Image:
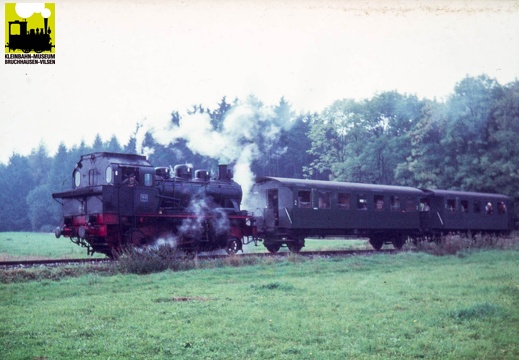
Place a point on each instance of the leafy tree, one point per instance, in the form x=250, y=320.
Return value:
x=296, y=145
x=424, y=167
x=339, y=135
x=501, y=162
x=466, y=139
x=391, y=116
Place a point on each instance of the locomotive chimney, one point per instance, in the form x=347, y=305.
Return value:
x=224, y=173
x=45, y=22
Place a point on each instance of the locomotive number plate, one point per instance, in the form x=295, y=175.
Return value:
x=144, y=197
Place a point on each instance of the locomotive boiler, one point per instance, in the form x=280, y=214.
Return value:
x=120, y=200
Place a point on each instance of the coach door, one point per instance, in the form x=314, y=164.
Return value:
x=272, y=215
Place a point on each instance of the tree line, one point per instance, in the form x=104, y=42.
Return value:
x=466, y=142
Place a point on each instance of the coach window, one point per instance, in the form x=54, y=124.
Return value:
x=304, y=198
x=343, y=201
x=464, y=206
x=489, y=209
x=410, y=205
x=324, y=199
x=424, y=205
x=394, y=203
x=362, y=202
x=450, y=205
x=477, y=206
x=501, y=208
x=379, y=202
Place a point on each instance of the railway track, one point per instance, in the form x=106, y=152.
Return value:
x=63, y=262
x=50, y=262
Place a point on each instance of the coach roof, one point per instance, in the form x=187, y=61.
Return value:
x=454, y=193
x=338, y=185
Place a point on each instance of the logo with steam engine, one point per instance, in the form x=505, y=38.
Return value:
x=30, y=33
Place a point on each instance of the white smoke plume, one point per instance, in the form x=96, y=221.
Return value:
x=203, y=211
x=168, y=240
x=248, y=131
x=204, y=215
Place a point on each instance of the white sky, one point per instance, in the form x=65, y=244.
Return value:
x=123, y=62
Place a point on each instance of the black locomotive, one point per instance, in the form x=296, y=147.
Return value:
x=120, y=199
x=27, y=40
x=294, y=209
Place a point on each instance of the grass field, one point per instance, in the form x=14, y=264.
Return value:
x=32, y=246
x=404, y=306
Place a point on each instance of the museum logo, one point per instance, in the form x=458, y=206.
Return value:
x=30, y=33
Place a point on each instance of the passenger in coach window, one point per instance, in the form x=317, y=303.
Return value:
x=501, y=207
x=489, y=209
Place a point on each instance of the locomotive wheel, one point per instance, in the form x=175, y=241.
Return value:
x=273, y=248
x=294, y=247
x=26, y=50
x=233, y=245
x=398, y=242
x=376, y=243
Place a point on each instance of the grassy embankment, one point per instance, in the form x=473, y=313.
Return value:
x=405, y=306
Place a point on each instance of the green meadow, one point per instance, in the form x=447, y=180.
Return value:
x=34, y=246
x=31, y=246
x=403, y=306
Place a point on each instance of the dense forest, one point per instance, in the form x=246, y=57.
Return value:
x=466, y=142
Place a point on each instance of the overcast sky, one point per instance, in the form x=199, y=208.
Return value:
x=123, y=62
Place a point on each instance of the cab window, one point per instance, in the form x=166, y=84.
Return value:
x=77, y=178
x=148, y=180
x=109, y=175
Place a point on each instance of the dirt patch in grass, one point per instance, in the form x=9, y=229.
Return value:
x=189, y=298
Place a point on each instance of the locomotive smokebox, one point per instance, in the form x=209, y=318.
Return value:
x=224, y=173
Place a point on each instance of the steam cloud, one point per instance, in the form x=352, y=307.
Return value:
x=26, y=10
x=194, y=227
x=248, y=131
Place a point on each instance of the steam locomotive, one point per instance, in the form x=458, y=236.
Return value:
x=121, y=200
x=22, y=39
